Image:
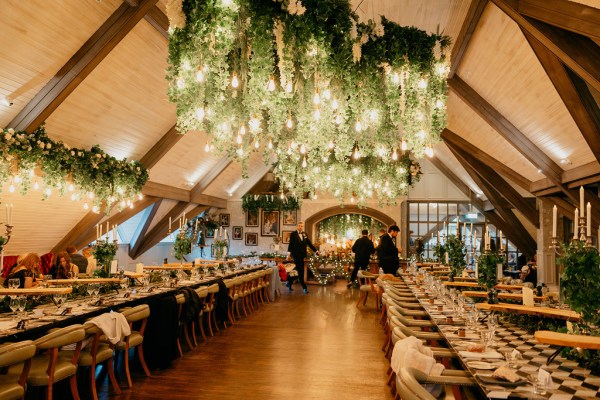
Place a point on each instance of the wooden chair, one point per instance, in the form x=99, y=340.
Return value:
x=47, y=368
x=138, y=314
x=202, y=292
x=183, y=328
x=367, y=285
x=209, y=311
x=12, y=387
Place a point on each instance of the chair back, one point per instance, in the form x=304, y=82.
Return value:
x=137, y=313
x=61, y=337
x=202, y=292
x=214, y=288
x=180, y=298
x=16, y=353
x=408, y=388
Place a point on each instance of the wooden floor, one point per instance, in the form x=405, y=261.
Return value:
x=316, y=346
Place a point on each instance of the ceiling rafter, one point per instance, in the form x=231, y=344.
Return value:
x=511, y=133
x=174, y=193
x=161, y=148
x=508, y=221
x=143, y=228
x=574, y=93
x=75, y=234
x=158, y=20
x=564, y=14
x=494, y=179
x=209, y=178
x=460, y=185
x=579, y=53
x=487, y=159
x=584, y=174
x=466, y=32
x=80, y=65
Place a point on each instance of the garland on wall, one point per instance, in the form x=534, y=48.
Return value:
x=338, y=269
x=309, y=85
x=269, y=202
x=34, y=161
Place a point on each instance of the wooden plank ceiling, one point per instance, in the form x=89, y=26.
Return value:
x=121, y=105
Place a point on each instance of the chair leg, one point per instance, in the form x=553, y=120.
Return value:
x=126, y=361
x=74, y=391
x=201, y=325
x=214, y=320
x=140, y=351
x=193, y=324
x=209, y=323
x=179, y=347
x=111, y=375
x=186, y=333
x=93, y=381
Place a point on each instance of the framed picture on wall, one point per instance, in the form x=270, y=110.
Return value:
x=252, y=218
x=285, y=236
x=251, y=239
x=269, y=223
x=210, y=232
x=237, y=233
x=224, y=219
x=290, y=217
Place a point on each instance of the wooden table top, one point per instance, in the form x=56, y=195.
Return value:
x=539, y=311
x=82, y=281
x=475, y=284
x=568, y=339
x=506, y=296
x=35, y=291
x=167, y=267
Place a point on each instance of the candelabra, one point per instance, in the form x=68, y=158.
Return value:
x=9, y=229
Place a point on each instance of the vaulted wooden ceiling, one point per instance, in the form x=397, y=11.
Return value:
x=523, y=102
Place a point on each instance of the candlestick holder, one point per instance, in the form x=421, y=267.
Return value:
x=9, y=229
x=582, y=229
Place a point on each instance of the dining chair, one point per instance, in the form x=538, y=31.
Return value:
x=209, y=311
x=202, y=293
x=183, y=328
x=367, y=286
x=47, y=368
x=13, y=387
x=138, y=314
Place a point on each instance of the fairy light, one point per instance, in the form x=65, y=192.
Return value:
x=317, y=114
x=289, y=87
x=396, y=78
x=200, y=113
x=429, y=151
x=422, y=84
x=36, y=185
x=180, y=83
x=17, y=179
x=238, y=140
x=334, y=104
x=86, y=206
x=304, y=162
x=200, y=75
x=256, y=144
x=317, y=98
x=302, y=149
x=271, y=85
x=242, y=130
x=270, y=145
x=404, y=146
x=327, y=94
x=358, y=126
x=395, y=155
x=234, y=81
x=330, y=146
x=206, y=147
x=11, y=188
x=289, y=123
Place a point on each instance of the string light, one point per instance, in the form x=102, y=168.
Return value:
x=403, y=146
x=207, y=147
x=200, y=113
x=234, y=81
x=429, y=151
x=317, y=98
x=271, y=85
x=270, y=145
x=289, y=123
x=200, y=75
x=289, y=87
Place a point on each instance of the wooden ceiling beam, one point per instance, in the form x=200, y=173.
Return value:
x=209, y=178
x=487, y=159
x=569, y=15
x=160, y=148
x=75, y=234
x=508, y=221
x=251, y=181
x=466, y=32
x=589, y=173
x=460, y=185
x=158, y=20
x=577, y=52
x=174, y=193
x=494, y=179
x=574, y=93
x=80, y=65
x=116, y=219
x=143, y=228
x=508, y=131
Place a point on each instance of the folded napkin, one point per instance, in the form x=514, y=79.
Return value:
x=487, y=354
x=139, y=268
x=6, y=325
x=527, y=297
x=545, y=379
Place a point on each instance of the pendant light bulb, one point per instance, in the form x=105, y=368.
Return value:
x=270, y=145
x=429, y=151
x=339, y=119
x=289, y=123
x=334, y=104
x=289, y=151
x=422, y=84
x=358, y=126
x=289, y=87
x=11, y=188
x=243, y=130
x=200, y=113
x=327, y=94
x=36, y=185
x=317, y=114
x=316, y=97
x=200, y=75
x=302, y=149
x=256, y=144
x=403, y=146
x=356, y=154
x=304, y=162
x=85, y=206
x=395, y=155
x=234, y=81
x=330, y=145
x=271, y=85
x=396, y=78
x=238, y=140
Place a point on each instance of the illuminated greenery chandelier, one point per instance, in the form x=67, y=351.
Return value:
x=337, y=104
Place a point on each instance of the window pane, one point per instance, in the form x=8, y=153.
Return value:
x=413, y=212
x=423, y=212
x=422, y=229
x=452, y=209
x=433, y=211
x=413, y=227
x=442, y=211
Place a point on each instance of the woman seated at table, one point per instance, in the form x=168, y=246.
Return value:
x=64, y=269
x=529, y=272
x=25, y=270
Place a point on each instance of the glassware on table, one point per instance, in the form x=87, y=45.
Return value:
x=14, y=306
x=96, y=290
x=14, y=283
x=124, y=283
x=59, y=299
x=512, y=358
x=539, y=387
x=21, y=304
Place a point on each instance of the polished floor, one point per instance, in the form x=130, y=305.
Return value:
x=316, y=346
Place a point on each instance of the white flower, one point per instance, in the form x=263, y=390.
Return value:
x=72, y=153
x=79, y=153
x=11, y=131
x=48, y=145
x=7, y=136
x=42, y=145
x=138, y=168
x=103, y=155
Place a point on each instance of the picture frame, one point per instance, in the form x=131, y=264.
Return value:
x=290, y=217
x=237, y=233
x=285, y=236
x=210, y=233
x=224, y=219
x=252, y=218
x=251, y=239
x=269, y=223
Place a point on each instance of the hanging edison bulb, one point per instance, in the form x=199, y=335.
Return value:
x=36, y=185
x=271, y=85
x=243, y=130
x=422, y=84
x=403, y=146
x=86, y=206
x=17, y=179
x=327, y=94
x=316, y=97
x=317, y=114
x=270, y=145
x=395, y=155
x=200, y=75
x=289, y=87
x=358, y=126
x=334, y=104
x=207, y=147
x=429, y=151
x=304, y=162
x=396, y=78
x=302, y=149
x=330, y=145
x=200, y=113
x=234, y=81
x=289, y=123
x=339, y=119
x=238, y=139
x=256, y=144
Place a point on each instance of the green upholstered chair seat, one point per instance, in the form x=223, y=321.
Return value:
x=38, y=375
x=9, y=388
x=85, y=358
x=135, y=339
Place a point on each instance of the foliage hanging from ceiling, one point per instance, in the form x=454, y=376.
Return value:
x=337, y=227
x=312, y=87
x=269, y=202
x=33, y=160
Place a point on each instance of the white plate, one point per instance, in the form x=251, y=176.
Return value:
x=481, y=365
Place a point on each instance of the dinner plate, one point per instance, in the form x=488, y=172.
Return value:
x=500, y=382
x=481, y=365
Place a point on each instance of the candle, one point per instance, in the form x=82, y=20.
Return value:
x=444, y=227
x=169, y=223
x=100, y=230
x=581, y=201
x=575, y=224
x=446, y=258
x=474, y=238
x=7, y=216
x=471, y=227
x=554, y=217
x=438, y=237
x=589, y=219
x=97, y=232
x=501, y=242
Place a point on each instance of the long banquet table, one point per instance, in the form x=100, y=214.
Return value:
x=571, y=382
x=81, y=309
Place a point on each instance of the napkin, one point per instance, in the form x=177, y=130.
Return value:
x=527, y=297
x=516, y=354
x=487, y=354
x=113, y=266
x=545, y=378
x=4, y=325
x=139, y=268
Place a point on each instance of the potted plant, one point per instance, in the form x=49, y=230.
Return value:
x=183, y=245
x=104, y=252
x=456, y=256
x=486, y=270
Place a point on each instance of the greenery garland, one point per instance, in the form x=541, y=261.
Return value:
x=34, y=160
x=580, y=281
x=439, y=251
x=104, y=252
x=269, y=202
x=306, y=78
x=486, y=269
x=456, y=255
x=183, y=244
x=337, y=226
x=338, y=269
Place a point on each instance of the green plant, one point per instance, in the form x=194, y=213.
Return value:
x=580, y=281
x=104, y=252
x=183, y=244
x=486, y=269
x=269, y=202
x=456, y=255
x=439, y=250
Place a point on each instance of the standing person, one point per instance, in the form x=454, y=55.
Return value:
x=297, y=251
x=388, y=252
x=77, y=259
x=92, y=264
x=362, y=248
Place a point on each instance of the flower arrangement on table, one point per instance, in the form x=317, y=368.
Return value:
x=487, y=273
x=439, y=251
x=183, y=244
x=456, y=255
x=104, y=252
x=220, y=243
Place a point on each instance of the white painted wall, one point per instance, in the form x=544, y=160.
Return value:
x=434, y=185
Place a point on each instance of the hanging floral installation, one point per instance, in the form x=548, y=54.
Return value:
x=269, y=202
x=309, y=85
x=34, y=161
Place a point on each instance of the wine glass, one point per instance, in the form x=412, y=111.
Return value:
x=96, y=291
x=124, y=283
x=90, y=290
x=59, y=299
x=14, y=306
x=21, y=304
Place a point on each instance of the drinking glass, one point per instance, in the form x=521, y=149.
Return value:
x=124, y=283
x=90, y=289
x=96, y=291
x=60, y=299
x=538, y=386
x=21, y=303
x=14, y=283
x=14, y=306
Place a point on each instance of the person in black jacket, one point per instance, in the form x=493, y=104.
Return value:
x=362, y=248
x=388, y=252
x=297, y=251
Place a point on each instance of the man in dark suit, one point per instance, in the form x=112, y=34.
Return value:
x=297, y=251
x=388, y=252
x=362, y=248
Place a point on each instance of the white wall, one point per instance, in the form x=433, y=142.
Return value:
x=434, y=185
